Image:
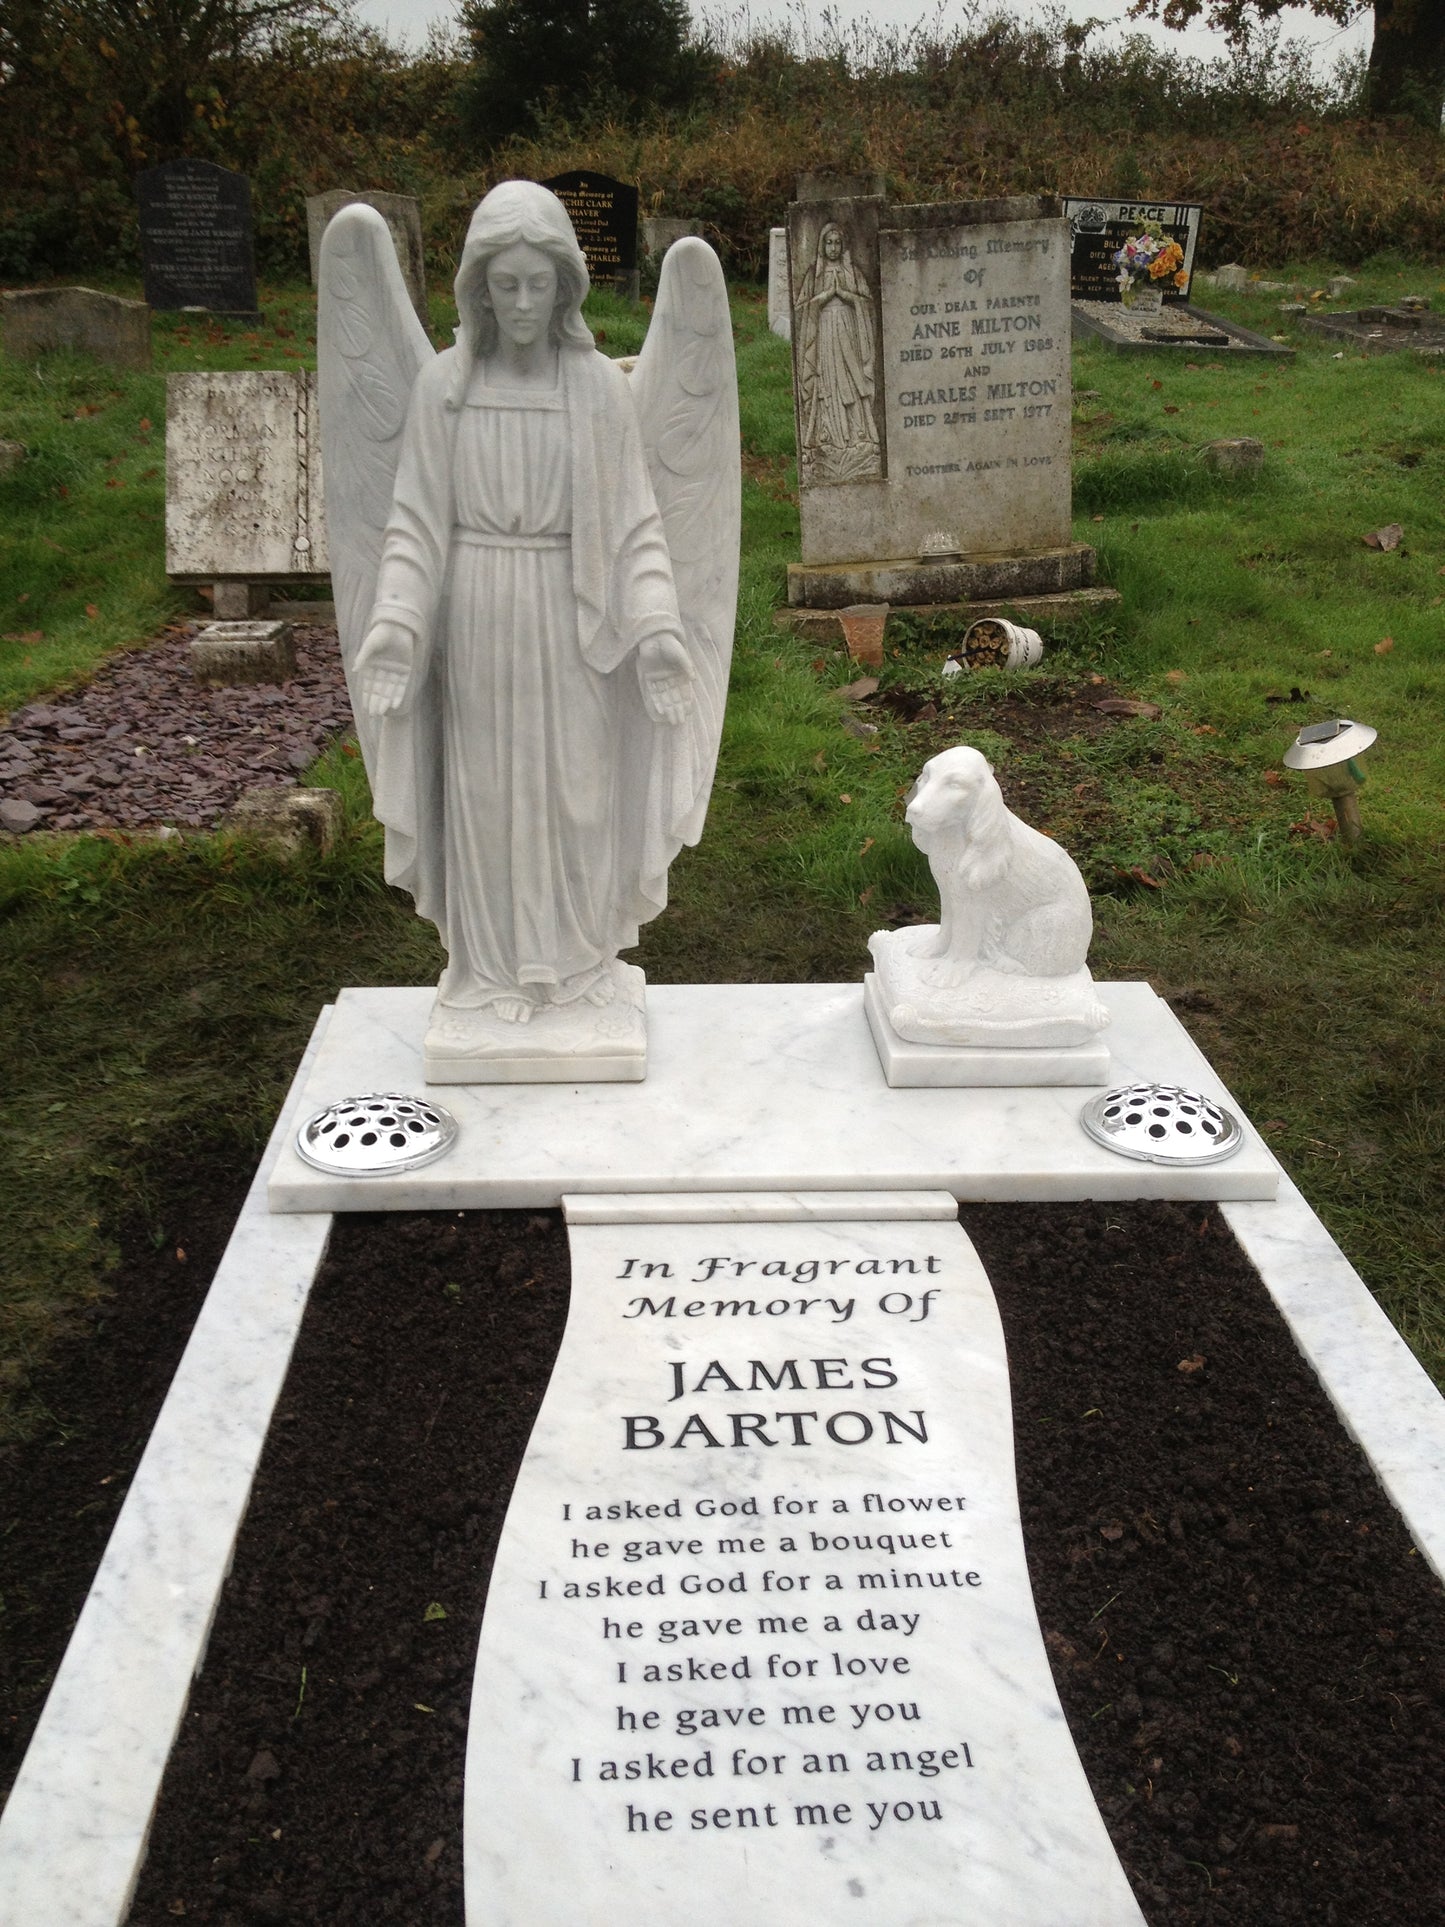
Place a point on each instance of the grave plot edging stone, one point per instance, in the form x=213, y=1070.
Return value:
x=73, y=1834
x=1385, y=1399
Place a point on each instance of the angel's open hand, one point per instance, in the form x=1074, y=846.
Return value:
x=383, y=668
x=665, y=671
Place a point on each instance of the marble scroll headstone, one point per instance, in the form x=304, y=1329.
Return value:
x=243, y=477
x=931, y=382
x=197, y=249
x=760, y=1644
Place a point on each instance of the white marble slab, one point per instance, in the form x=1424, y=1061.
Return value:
x=770, y=1655
x=756, y=1207
x=1386, y=1400
x=73, y=1835
x=755, y=1087
x=907, y=1065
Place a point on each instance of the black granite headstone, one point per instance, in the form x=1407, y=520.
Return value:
x=1102, y=227
x=196, y=247
x=604, y=215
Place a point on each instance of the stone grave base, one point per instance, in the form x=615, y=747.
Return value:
x=906, y=580
x=910, y=1066
x=754, y=1087
x=1381, y=331
x=577, y=1043
x=1049, y=613
x=1185, y=327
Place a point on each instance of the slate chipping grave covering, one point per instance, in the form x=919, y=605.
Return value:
x=603, y=213
x=197, y=249
x=243, y=477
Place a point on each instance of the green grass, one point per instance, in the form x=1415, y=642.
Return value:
x=167, y=990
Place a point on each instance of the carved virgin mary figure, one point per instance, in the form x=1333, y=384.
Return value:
x=834, y=323
x=536, y=583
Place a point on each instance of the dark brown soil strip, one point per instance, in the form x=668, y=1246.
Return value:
x=98, y=1398
x=1247, y=1647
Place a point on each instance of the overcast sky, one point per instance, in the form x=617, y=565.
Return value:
x=408, y=20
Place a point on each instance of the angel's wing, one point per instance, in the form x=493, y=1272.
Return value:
x=685, y=387
x=370, y=347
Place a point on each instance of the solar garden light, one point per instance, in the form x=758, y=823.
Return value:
x=1326, y=753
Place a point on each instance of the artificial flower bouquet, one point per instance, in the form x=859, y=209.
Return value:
x=1149, y=260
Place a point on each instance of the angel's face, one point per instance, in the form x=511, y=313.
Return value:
x=521, y=292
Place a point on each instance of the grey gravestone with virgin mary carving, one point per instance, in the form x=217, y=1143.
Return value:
x=931, y=380
x=196, y=238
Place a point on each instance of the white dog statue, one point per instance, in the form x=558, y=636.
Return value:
x=1006, y=965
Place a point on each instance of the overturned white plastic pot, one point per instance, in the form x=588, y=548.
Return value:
x=992, y=643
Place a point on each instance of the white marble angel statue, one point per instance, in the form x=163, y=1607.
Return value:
x=535, y=563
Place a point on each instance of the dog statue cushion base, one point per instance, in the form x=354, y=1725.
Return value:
x=1003, y=975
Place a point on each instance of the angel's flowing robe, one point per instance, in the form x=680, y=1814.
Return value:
x=526, y=556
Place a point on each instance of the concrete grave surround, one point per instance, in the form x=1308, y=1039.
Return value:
x=243, y=477
x=402, y=214
x=851, y=1578
x=197, y=246
x=756, y=1087
x=931, y=354
x=73, y=1835
x=1177, y=330
x=37, y=321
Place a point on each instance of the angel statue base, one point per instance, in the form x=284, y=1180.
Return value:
x=999, y=991
x=534, y=556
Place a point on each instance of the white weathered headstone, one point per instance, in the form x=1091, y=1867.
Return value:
x=760, y=1641
x=780, y=311
x=931, y=356
x=243, y=477
x=402, y=215
x=37, y=321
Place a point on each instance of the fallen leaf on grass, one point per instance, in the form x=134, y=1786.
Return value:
x=867, y=846
x=1204, y=729
x=1388, y=537
x=1273, y=778
x=1322, y=828
x=1170, y=409
x=1177, y=676
x=1125, y=706
x=1194, y=1364
x=26, y=635
x=854, y=692
x=845, y=799
x=1384, y=645
x=1138, y=874
x=863, y=731
x=91, y=610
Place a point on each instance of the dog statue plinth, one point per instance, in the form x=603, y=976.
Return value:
x=998, y=991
